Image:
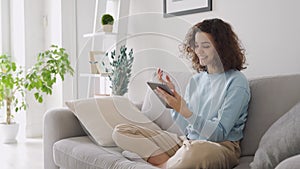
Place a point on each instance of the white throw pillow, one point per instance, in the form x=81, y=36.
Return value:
x=100, y=115
x=156, y=111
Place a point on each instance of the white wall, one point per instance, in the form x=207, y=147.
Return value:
x=53, y=35
x=43, y=27
x=69, y=40
x=1, y=15
x=268, y=30
x=34, y=43
x=84, y=24
x=5, y=27
x=17, y=31
x=156, y=40
x=17, y=39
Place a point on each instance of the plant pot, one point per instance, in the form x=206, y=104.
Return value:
x=9, y=132
x=107, y=28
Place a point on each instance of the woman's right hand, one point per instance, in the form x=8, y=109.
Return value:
x=168, y=81
x=176, y=101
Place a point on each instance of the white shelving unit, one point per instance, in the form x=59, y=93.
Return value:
x=98, y=82
x=88, y=35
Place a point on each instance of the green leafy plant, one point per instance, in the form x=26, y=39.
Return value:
x=40, y=77
x=43, y=75
x=107, y=19
x=120, y=70
x=11, y=85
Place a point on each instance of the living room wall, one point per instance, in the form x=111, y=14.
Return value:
x=42, y=29
x=268, y=30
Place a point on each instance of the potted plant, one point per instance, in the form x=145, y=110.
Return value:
x=107, y=22
x=43, y=75
x=41, y=78
x=120, y=72
x=12, y=94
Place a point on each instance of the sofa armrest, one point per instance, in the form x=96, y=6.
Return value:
x=59, y=123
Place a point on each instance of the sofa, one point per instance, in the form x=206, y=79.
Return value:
x=67, y=146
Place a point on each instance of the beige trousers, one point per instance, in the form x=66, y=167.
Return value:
x=184, y=154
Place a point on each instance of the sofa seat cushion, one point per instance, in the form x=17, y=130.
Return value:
x=81, y=152
x=244, y=162
x=290, y=163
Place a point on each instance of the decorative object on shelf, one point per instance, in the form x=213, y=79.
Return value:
x=41, y=77
x=120, y=70
x=95, y=69
x=107, y=22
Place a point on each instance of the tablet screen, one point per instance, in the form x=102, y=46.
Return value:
x=154, y=85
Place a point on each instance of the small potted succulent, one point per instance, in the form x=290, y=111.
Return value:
x=107, y=22
x=40, y=78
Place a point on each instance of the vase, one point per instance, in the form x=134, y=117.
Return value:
x=9, y=132
x=107, y=28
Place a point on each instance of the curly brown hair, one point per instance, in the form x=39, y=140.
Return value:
x=226, y=43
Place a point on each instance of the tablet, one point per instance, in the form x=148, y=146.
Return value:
x=164, y=87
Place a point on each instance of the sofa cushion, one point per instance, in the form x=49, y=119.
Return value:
x=80, y=152
x=271, y=97
x=137, y=86
x=156, y=111
x=100, y=115
x=244, y=162
x=290, y=163
x=281, y=141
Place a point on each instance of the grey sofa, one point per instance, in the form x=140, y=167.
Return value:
x=67, y=146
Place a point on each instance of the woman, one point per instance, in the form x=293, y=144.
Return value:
x=212, y=113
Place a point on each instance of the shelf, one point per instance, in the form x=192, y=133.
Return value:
x=105, y=74
x=95, y=81
x=100, y=34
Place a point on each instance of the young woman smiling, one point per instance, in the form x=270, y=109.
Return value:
x=212, y=113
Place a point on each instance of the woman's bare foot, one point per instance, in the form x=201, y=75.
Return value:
x=159, y=159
